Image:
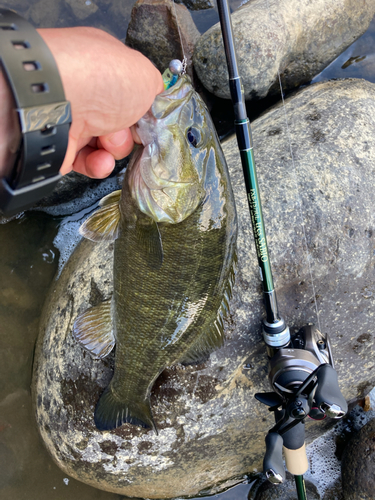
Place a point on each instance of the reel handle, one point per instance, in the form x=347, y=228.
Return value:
x=293, y=444
x=273, y=465
x=328, y=396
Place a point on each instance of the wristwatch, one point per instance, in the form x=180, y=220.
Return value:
x=44, y=115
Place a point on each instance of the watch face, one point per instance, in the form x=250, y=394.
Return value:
x=10, y=130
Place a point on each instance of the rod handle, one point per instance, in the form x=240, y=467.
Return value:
x=296, y=460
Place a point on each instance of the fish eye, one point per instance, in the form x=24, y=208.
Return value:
x=193, y=136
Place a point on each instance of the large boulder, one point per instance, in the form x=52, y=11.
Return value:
x=162, y=31
x=358, y=465
x=210, y=426
x=293, y=38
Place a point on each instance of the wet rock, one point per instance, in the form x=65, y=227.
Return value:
x=358, y=465
x=285, y=491
x=296, y=39
x=75, y=191
x=211, y=428
x=82, y=8
x=334, y=492
x=155, y=28
x=44, y=14
x=8, y=464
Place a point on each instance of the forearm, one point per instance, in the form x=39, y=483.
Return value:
x=8, y=126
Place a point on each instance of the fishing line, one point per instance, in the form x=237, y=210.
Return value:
x=308, y=255
x=184, y=60
x=237, y=268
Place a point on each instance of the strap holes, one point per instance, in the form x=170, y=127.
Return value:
x=8, y=27
x=31, y=65
x=39, y=87
x=43, y=166
x=38, y=179
x=49, y=129
x=18, y=45
x=47, y=150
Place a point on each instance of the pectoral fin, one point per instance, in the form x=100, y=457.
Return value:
x=149, y=242
x=103, y=224
x=94, y=331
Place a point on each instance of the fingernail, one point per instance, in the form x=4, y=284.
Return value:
x=117, y=139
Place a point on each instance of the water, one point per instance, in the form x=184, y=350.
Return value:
x=29, y=260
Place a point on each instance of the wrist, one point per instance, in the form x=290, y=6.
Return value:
x=42, y=113
x=9, y=127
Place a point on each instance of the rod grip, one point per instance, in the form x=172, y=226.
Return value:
x=296, y=460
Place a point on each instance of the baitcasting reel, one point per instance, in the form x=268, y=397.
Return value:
x=306, y=385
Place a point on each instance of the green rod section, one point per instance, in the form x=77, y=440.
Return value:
x=300, y=486
x=245, y=146
x=256, y=214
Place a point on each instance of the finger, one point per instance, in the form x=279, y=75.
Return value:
x=75, y=145
x=119, y=144
x=135, y=135
x=70, y=155
x=95, y=163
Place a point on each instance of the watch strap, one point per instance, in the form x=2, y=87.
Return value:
x=44, y=114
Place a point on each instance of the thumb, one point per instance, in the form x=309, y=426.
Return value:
x=119, y=144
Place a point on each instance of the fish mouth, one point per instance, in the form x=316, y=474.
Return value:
x=170, y=99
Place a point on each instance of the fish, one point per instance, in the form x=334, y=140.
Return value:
x=174, y=227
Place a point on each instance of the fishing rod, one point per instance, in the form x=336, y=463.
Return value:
x=302, y=372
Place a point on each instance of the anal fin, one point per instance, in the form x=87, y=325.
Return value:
x=94, y=331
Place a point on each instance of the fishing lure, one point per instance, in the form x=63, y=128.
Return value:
x=171, y=75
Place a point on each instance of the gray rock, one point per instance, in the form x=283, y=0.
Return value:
x=358, y=465
x=155, y=29
x=211, y=427
x=296, y=39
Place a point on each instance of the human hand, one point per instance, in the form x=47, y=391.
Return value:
x=110, y=87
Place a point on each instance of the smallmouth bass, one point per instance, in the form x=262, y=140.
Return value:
x=175, y=227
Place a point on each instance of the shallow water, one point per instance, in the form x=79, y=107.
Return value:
x=29, y=261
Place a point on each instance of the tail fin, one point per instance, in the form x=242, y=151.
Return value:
x=111, y=412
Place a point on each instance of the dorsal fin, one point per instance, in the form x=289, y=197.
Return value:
x=103, y=224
